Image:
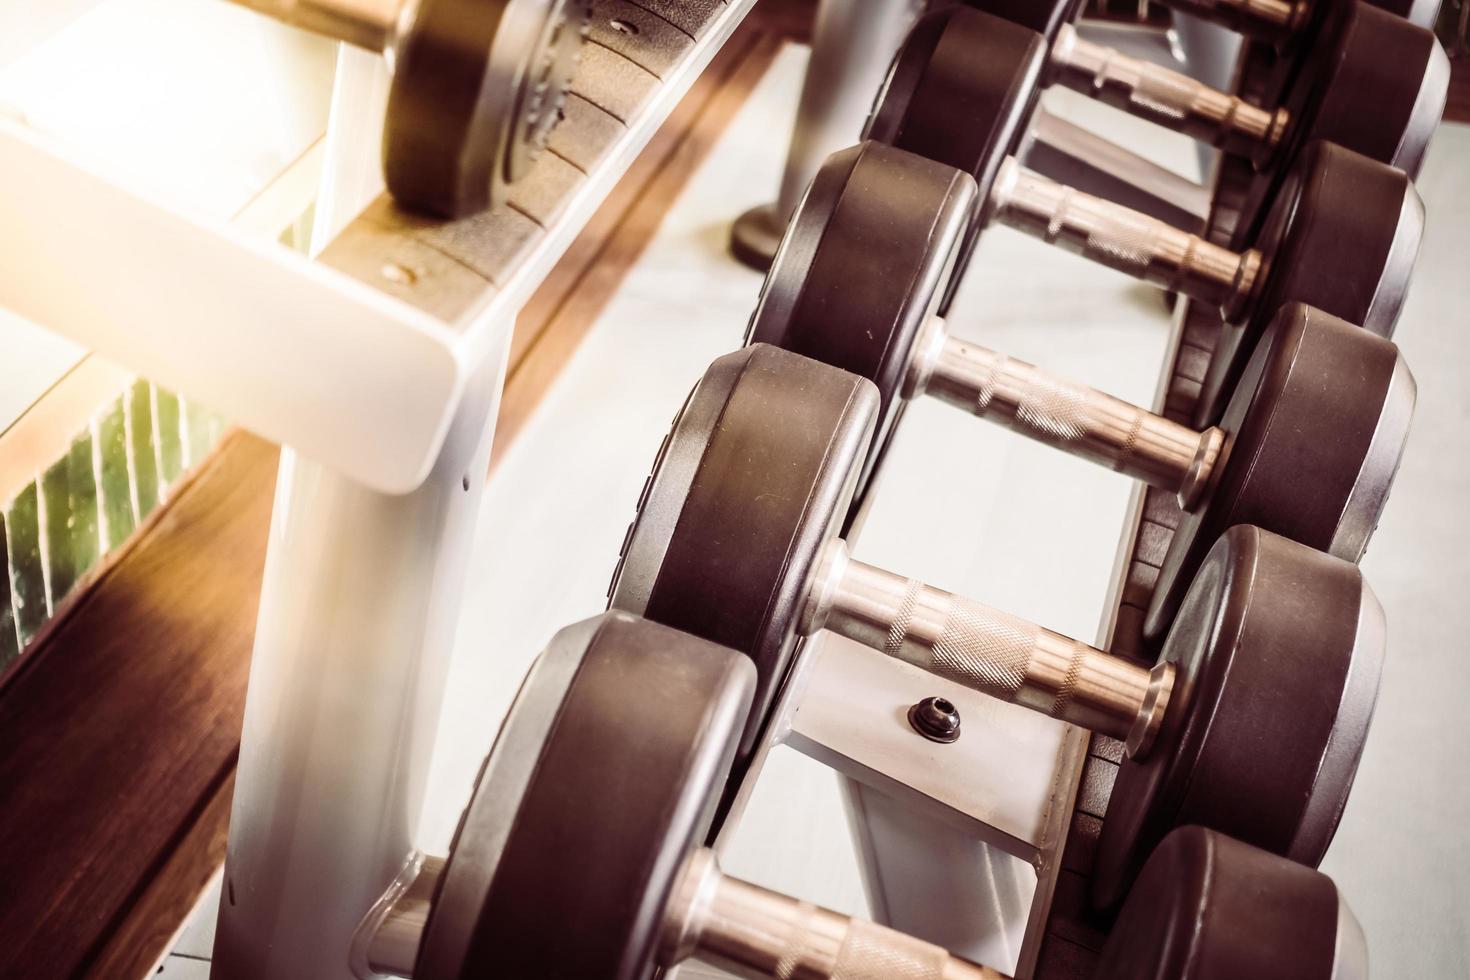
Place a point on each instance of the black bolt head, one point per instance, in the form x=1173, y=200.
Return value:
x=937, y=719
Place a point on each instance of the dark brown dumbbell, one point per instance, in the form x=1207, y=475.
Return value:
x=737, y=540
x=477, y=87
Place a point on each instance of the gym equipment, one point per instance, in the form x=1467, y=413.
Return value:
x=643, y=720
x=1401, y=71
x=1377, y=85
x=1308, y=445
x=477, y=87
x=1341, y=235
x=1207, y=905
x=1251, y=722
x=1286, y=23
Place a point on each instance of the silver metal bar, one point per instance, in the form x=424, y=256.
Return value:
x=1121, y=239
x=1079, y=420
x=1169, y=98
x=1267, y=20
x=397, y=928
x=989, y=651
x=744, y=928
x=370, y=24
x=852, y=45
x=754, y=932
x=1057, y=148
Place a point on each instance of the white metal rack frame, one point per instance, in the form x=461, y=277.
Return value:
x=379, y=368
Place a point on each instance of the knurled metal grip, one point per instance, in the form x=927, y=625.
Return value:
x=1169, y=98
x=1123, y=239
x=753, y=931
x=984, y=649
x=1079, y=420
x=871, y=952
x=978, y=647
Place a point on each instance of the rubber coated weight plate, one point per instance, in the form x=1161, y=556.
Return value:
x=477, y=88
x=574, y=862
x=1207, y=907
x=447, y=947
x=1313, y=440
x=1374, y=84
x=960, y=91
x=859, y=271
x=1278, y=650
x=1379, y=89
x=758, y=473
x=1315, y=435
x=1343, y=237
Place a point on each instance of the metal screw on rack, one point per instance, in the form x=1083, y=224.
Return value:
x=936, y=718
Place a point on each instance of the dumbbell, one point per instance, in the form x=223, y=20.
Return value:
x=1375, y=84
x=1287, y=24
x=1342, y=234
x=578, y=855
x=1348, y=93
x=477, y=87
x=1307, y=447
x=1251, y=722
x=1357, y=85
x=1207, y=905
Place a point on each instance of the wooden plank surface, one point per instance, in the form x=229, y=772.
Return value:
x=120, y=729
x=126, y=715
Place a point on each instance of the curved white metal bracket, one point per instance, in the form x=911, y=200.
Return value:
x=291, y=349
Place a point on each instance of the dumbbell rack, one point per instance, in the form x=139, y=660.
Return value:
x=379, y=367
x=1067, y=943
x=424, y=310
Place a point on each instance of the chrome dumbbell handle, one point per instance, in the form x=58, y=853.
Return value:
x=987, y=650
x=753, y=932
x=1268, y=20
x=1079, y=420
x=1169, y=98
x=1122, y=239
x=370, y=24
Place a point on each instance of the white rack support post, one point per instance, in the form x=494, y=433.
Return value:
x=852, y=45
x=380, y=369
x=358, y=610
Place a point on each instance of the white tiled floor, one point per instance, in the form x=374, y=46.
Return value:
x=1016, y=523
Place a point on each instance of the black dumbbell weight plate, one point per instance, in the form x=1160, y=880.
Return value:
x=588, y=806
x=1278, y=650
x=960, y=91
x=758, y=473
x=1372, y=85
x=1373, y=102
x=477, y=88
x=1342, y=236
x=1324, y=405
x=1208, y=907
x=858, y=274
